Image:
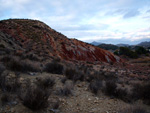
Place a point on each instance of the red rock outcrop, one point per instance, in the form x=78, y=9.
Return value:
x=35, y=36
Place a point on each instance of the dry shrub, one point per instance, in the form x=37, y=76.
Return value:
x=136, y=109
x=95, y=86
x=54, y=67
x=63, y=80
x=45, y=83
x=74, y=75
x=66, y=90
x=16, y=64
x=142, y=91
x=111, y=90
x=5, y=98
x=35, y=98
x=9, y=83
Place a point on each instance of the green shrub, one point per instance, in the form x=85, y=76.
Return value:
x=126, y=51
x=141, y=50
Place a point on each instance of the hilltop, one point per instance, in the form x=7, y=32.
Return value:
x=32, y=36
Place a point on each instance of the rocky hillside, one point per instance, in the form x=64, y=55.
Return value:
x=32, y=36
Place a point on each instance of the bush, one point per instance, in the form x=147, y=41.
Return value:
x=101, y=75
x=2, y=78
x=66, y=90
x=35, y=98
x=2, y=68
x=4, y=98
x=110, y=88
x=9, y=83
x=21, y=66
x=72, y=74
x=2, y=46
x=63, y=80
x=142, y=92
x=122, y=94
x=126, y=51
x=133, y=110
x=141, y=50
x=45, y=83
x=95, y=86
x=32, y=57
x=56, y=105
x=54, y=68
x=6, y=59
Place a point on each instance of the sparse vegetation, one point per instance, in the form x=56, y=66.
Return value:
x=35, y=98
x=54, y=67
x=142, y=91
x=45, y=83
x=32, y=57
x=74, y=75
x=63, y=80
x=4, y=98
x=2, y=68
x=133, y=110
x=2, y=46
x=66, y=90
x=30, y=60
x=15, y=64
x=9, y=83
x=110, y=88
x=95, y=86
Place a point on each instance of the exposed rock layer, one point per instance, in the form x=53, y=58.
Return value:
x=35, y=36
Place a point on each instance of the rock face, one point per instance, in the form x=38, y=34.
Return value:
x=34, y=36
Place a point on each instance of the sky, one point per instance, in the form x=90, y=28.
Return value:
x=108, y=21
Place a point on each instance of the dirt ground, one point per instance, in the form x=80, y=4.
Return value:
x=81, y=100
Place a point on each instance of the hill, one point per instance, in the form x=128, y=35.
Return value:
x=95, y=43
x=144, y=44
x=42, y=71
x=32, y=36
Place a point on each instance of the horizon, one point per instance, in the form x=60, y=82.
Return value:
x=123, y=21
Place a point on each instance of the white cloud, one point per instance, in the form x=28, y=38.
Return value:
x=82, y=19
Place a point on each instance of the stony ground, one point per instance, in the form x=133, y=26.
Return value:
x=81, y=100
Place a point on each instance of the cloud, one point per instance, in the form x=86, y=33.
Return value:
x=82, y=27
x=148, y=11
x=115, y=12
x=82, y=19
x=131, y=13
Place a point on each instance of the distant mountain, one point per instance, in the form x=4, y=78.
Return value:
x=95, y=43
x=108, y=46
x=25, y=36
x=144, y=44
x=122, y=45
